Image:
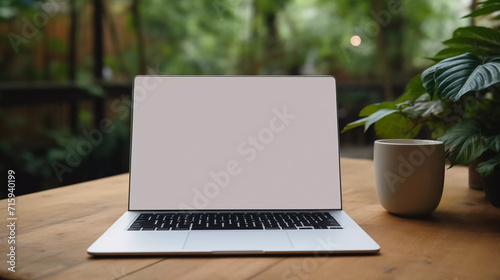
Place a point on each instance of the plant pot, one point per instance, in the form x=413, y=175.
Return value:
x=492, y=188
x=476, y=182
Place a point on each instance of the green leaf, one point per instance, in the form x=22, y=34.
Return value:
x=369, y=120
x=493, y=143
x=463, y=142
x=380, y=114
x=481, y=41
x=428, y=79
x=471, y=149
x=405, y=104
x=457, y=134
x=413, y=90
x=450, y=52
x=424, y=97
x=370, y=109
x=437, y=129
x=396, y=126
x=486, y=8
x=456, y=76
x=414, y=130
x=481, y=78
x=424, y=109
x=485, y=36
x=354, y=124
x=468, y=44
x=487, y=168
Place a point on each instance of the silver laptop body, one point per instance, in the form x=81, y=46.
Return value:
x=233, y=146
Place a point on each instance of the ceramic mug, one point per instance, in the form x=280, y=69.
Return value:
x=409, y=175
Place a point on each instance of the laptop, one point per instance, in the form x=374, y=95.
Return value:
x=234, y=165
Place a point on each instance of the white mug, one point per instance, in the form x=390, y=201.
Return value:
x=409, y=175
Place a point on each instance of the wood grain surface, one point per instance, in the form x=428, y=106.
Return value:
x=460, y=240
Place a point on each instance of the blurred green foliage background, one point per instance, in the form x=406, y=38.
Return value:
x=50, y=90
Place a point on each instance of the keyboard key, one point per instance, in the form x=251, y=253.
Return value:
x=288, y=227
x=134, y=228
x=272, y=228
x=235, y=221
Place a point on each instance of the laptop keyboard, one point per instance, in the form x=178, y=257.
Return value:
x=235, y=221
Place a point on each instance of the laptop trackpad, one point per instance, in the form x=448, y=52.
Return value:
x=234, y=240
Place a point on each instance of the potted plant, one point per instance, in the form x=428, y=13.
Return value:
x=475, y=82
x=457, y=100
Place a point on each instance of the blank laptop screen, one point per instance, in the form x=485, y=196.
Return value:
x=230, y=142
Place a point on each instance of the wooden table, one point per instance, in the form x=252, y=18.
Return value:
x=460, y=240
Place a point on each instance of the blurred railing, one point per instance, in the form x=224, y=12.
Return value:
x=38, y=94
